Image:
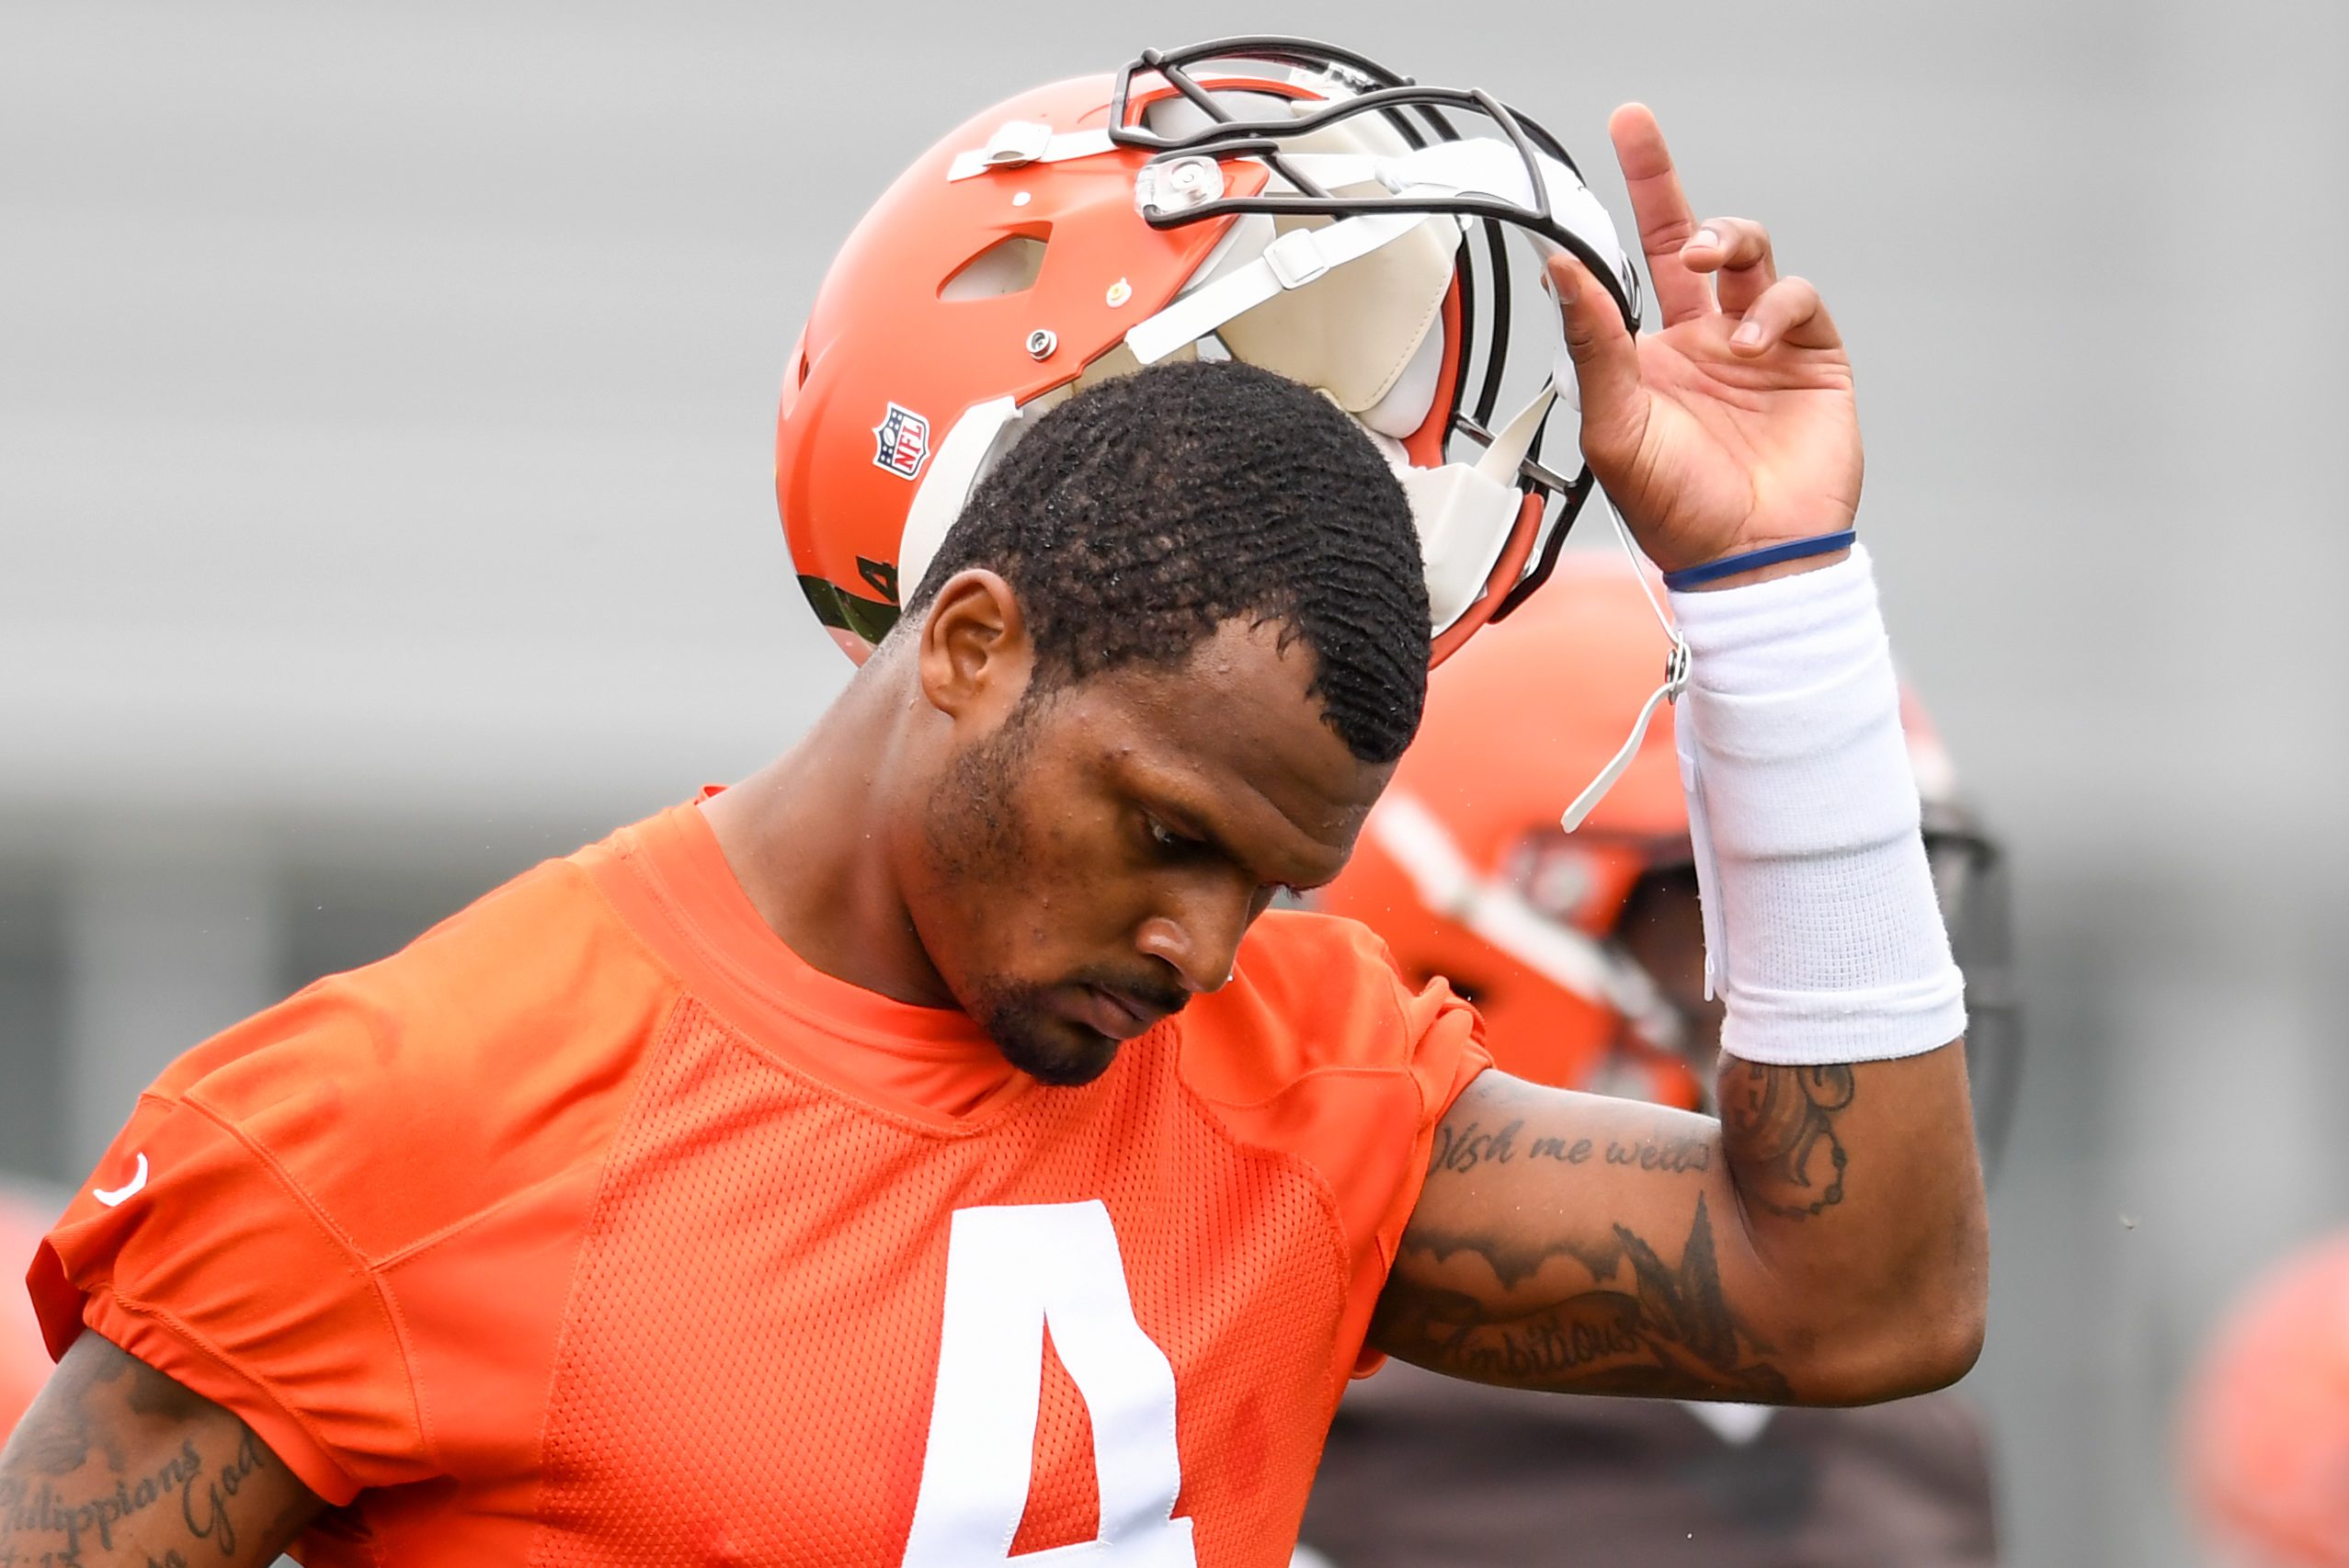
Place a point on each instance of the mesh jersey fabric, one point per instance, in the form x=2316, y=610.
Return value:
x=595, y=1227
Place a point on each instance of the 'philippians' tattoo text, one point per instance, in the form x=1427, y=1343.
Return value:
x=71, y=1494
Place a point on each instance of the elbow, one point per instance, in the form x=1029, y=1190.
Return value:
x=1925, y=1340
x=1956, y=1306
x=1922, y=1326
x=1947, y=1352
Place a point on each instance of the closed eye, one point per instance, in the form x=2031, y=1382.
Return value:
x=1171, y=845
x=1175, y=847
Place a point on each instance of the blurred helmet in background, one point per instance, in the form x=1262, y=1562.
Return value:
x=1274, y=201
x=1461, y=867
x=2265, y=1440
x=25, y=1217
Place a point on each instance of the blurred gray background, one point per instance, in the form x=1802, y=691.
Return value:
x=386, y=401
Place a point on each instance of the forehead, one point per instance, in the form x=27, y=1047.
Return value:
x=1234, y=733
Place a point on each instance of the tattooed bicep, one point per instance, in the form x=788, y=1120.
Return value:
x=117, y=1463
x=1567, y=1241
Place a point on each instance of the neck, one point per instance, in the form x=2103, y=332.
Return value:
x=812, y=837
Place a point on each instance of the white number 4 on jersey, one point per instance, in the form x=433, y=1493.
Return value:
x=1011, y=1271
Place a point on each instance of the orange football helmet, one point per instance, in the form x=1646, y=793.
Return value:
x=1463, y=869
x=1270, y=199
x=2266, y=1438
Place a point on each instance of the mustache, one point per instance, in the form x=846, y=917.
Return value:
x=1153, y=992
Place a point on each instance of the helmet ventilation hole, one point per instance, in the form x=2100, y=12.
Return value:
x=1009, y=266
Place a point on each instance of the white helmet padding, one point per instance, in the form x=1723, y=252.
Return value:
x=1351, y=306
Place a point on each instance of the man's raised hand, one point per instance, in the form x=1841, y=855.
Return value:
x=1734, y=426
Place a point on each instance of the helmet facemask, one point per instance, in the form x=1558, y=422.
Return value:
x=1358, y=157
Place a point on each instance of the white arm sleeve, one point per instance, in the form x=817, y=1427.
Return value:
x=1822, y=933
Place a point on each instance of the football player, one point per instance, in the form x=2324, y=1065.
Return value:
x=929, y=1149
x=1584, y=954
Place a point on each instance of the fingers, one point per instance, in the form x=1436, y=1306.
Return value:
x=1661, y=208
x=1690, y=263
x=1606, y=361
x=1789, y=312
x=1737, y=252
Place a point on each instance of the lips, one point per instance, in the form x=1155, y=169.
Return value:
x=1117, y=1014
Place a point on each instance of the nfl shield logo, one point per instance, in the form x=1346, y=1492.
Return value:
x=901, y=442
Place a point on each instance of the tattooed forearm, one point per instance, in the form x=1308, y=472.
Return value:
x=1638, y=1327
x=1778, y=1124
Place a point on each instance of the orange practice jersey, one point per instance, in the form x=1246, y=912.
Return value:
x=596, y=1227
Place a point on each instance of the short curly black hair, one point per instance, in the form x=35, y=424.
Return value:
x=1147, y=511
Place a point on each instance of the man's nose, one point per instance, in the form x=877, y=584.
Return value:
x=1199, y=936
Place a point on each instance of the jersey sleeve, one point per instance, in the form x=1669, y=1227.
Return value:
x=319, y=1217
x=1349, y=1068
x=1447, y=1052
x=192, y=1248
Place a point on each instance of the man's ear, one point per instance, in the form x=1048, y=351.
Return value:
x=974, y=653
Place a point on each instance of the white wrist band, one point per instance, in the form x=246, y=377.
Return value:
x=1822, y=930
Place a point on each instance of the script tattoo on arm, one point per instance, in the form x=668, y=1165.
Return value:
x=1778, y=1124
x=115, y=1463
x=1567, y=1242
x=1789, y=1251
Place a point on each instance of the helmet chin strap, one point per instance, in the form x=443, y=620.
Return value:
x=1497, y=913
x=1675, y=682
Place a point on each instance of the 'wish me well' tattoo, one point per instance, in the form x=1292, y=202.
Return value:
x=1463, y=1149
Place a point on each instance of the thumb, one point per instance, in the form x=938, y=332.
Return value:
x=1606, y=361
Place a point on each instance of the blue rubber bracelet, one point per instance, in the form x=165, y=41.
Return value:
x=1769, y=555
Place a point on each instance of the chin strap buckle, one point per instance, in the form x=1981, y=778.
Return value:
x=1295, y=258
x=1675, y=682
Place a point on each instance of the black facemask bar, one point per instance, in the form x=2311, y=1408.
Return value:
x=1977, y=903
x=1418, y=115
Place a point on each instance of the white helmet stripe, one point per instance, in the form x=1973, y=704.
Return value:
x=953, y=468
x=1447, y=884
x=1018, y=142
